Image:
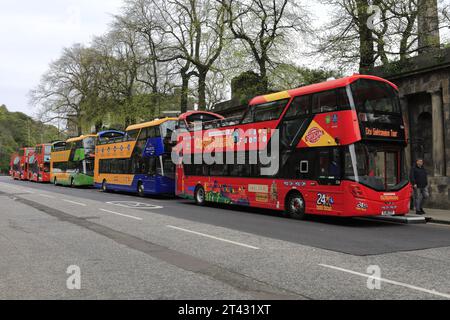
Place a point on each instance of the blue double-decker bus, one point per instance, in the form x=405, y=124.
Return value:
x=139, y=161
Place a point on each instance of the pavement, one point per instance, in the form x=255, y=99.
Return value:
x=128, y=247
x=437, y=215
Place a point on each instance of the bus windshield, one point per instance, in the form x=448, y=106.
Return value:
x=89, y=145
x=378, y=166
x=48, y=150
x=375, y=97
x=167, y=128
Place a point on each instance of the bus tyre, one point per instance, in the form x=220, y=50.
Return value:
x=141, y=189
x=200, y=196
x=295, y=206
x=104, y=187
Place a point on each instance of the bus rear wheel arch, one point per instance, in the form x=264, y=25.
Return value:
x=295, y=205
x=141, y=189
x=104, y=186
x=200, y=195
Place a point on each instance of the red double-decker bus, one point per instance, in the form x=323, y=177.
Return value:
x=334, y=148
x=14, y=166
x=24, y=154
x=39, y=163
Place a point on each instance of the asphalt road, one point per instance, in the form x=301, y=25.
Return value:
x=128, y=247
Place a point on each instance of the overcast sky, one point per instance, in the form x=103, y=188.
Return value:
x=33, y=33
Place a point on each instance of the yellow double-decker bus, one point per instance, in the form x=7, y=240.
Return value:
x=72, y=161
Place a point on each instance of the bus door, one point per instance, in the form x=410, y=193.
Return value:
x=327, y=193
x=151, y=170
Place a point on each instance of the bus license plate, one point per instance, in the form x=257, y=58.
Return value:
x=387, y=213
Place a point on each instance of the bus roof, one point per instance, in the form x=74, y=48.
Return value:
x=110, y=131
x=190, y=113
x=150, y=124
x=82, y=138
x=323, y=86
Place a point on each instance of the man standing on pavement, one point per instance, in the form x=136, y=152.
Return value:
x=419, y=180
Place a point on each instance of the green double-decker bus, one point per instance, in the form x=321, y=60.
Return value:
x=72, y=161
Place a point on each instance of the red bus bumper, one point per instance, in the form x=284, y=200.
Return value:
x=363, y=201
x=44, y=177
x=41, y=177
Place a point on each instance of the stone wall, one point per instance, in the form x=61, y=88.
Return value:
x=429, y=92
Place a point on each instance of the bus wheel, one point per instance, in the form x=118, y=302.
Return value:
x=199, y=196
x=104, y=188
x=141, y=189
x=295, y=206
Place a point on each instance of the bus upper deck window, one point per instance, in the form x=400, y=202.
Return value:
x=300, y=106
x=342, y=99
x=132, y=135
x=324, y=101
x=265, y=112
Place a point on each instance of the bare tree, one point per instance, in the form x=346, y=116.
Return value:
x=262, y=25
x=157, y=71
x=376, y=32
x=347, y=36
x=195, y=30
x=120, y=63
x=156, y=24
x=64, y=90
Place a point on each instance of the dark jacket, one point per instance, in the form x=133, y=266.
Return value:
x=419, y=176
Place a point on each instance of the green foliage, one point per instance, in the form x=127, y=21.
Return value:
x=19, y=130
x=246, y=86
x=289, y=76
x=139, y=108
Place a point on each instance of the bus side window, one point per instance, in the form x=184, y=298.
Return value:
x=144, y=134
x=182, y=124
x=169, y=167
x=343, y=101
x=152, y=132
x=300, y=106
x=324, y=101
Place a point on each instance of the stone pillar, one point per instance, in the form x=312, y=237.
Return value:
x=428, y=26
x=446, y=110
x=405, y=111
x=438, y=133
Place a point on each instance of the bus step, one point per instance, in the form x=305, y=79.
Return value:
x=408, y=219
